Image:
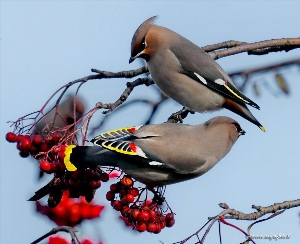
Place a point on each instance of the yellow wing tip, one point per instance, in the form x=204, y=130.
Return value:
x=262, y=128
x=67, y=162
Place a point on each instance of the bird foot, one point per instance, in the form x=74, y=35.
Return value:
x=180, y=115
x=158, y=198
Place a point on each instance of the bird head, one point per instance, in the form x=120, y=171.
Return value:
x=140, y=45
x=74, y=110
x=225, y=123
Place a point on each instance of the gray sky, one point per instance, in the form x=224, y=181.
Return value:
x=45, y=44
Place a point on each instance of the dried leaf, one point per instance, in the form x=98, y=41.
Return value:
x=282, y=83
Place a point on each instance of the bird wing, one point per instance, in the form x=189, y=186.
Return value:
x=116, y=134
x=199, y=66
x=223, y=87
x=115, y=140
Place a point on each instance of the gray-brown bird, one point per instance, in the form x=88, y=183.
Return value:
x=70, y=109
x=186, y=73
x=159, y=154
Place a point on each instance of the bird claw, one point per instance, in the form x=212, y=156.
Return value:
x=180, y=115
x=158, y=198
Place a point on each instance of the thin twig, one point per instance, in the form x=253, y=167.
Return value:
x=68, y=229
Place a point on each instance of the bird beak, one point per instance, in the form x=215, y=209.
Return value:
x=239, y=129
x=131, y=59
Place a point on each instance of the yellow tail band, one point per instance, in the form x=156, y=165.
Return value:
x=67, y=162
x=262, y=128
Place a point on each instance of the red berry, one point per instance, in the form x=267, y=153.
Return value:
x=25, y=144
x=117, y=205
x=114, y=174
x=148, y=202
x=96, y=210
x=170, y=223
x=110, y=196
x=95, y=184
x=141, y=227
x=11, y=137
x=24, y=154
x=162, y=223
x=49, y=140
x=127, y=181
x=126, y=211
x=37, y=140
x=114, y=188
x=56, y=137
x=75, y=174
x=19, y=138
x=124, y=201
x=75, y=216
x=130, y=198
x=61, y=153
x=151, y=227
x=45, y=147
x=19, y=147
x=158, y=229
x=135, y=213
x=86, y=241
x=153, y=214
x=144, y=216
x=45, y=166
x=169, y=216
x=123, y=192
x=85, y=210
x=74, y=182
x=104, y=177
x=33, y=149
x=57, y=240
x=59, y=211
x=134, y=191
x=55, y=167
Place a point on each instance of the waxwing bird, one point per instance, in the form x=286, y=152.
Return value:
x=70, y=109
x=159, y=154
x=186, y=73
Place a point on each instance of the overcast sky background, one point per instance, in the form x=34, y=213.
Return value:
x=45, y=44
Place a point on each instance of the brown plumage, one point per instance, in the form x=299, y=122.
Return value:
x=160, y=154
x=184, y=72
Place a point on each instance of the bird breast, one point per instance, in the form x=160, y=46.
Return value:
x=166, y=72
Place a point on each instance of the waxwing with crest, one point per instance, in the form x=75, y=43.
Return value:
x=186, y=73
x=159, y=154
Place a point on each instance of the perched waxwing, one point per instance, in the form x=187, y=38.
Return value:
x=56, y=119
x=186, y=73
x=159, y=154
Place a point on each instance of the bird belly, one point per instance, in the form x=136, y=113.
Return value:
x=152, y=178
x=187, y=91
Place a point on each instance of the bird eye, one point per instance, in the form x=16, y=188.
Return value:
x=143, y=44
x=239, y=129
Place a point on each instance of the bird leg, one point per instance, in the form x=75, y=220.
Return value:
x=158, y=198
x=180, y=115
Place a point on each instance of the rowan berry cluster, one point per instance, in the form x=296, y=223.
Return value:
x=33, y=144
x=83, y=182
x=61, y=240
x=70, y=211
x=144, y=215
x=50, y=153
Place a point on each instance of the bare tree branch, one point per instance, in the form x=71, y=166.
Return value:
x=285, y=44
x=228, y=213
x=247, y=72
x=58, y=229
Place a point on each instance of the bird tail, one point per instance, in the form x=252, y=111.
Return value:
x=45, y=190
x=242, y=110
x=79, y=157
